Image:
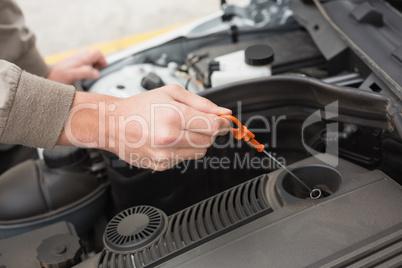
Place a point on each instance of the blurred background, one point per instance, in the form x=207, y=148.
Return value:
x=63, y=26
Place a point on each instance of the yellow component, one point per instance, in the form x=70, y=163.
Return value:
x=113, y=46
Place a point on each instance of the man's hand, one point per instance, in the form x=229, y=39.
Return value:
x=157, y=129
x=82, y=65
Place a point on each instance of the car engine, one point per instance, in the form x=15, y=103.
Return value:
x=319, y=84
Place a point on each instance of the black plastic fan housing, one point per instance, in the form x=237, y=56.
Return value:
x=134, y=228
x=183, y=230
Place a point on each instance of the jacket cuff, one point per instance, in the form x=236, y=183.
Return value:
x=39, y=112
x=9, y=77
x=33, y=63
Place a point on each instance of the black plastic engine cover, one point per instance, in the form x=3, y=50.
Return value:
x=358, y=221
x=361, y=224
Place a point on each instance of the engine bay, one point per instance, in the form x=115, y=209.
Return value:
x=322, y=105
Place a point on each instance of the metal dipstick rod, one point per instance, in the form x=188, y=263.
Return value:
x=243, y=133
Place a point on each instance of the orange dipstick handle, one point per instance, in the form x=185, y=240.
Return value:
x=242, y=133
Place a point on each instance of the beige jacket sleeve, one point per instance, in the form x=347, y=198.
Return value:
x=17, y=42
x=33, y=110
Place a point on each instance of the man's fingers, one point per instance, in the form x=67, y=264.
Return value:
x=84, y=72
x=195, y=140
x=179, y=117
x=184, y=139
x=94, y=58
x=197, y=102
x=207, y=124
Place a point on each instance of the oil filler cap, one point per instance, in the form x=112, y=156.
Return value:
x=259, y=55
x=59, y=251
x=134, y=228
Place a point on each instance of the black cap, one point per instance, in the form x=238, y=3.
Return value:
x=59, y=251
x=259, y=55
x=134, y=228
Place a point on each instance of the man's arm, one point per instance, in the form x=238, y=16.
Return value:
x=17, y=42
x=158, y=129
x=33, y=110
